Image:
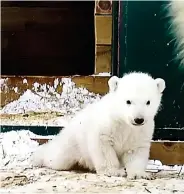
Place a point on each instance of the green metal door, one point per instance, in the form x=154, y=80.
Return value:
x=141, y=42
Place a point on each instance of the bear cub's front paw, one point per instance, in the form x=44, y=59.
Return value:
x=140, y=175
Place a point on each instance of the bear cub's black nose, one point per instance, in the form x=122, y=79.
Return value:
x=139, y=121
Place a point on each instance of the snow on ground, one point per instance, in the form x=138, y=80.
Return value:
x=16, y=148
x=48, y=181
x=35, y=119
x=17, y=176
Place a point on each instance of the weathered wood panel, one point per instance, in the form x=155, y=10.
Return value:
x=103, y=59
x=103, y=25
x=14, y=87
x=168, y=152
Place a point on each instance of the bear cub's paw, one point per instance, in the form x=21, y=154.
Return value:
x=114, y=172
x=142, y=175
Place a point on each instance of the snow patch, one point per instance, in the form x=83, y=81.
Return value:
x=16, y=89
x=3, y=83
x=24, y=81
x=44, y=98
x=56, y=82
x=36, y=86
x=103, y=74
x=16, y=148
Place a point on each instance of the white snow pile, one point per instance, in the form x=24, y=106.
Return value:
x=44, y=98
x=16, y=148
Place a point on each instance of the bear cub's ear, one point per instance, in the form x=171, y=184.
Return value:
x=160, y=84
x=113, y=83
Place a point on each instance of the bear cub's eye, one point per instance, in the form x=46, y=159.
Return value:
x=148, y=102
x=128, y=102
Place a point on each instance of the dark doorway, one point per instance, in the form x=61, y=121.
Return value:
x=47, y=38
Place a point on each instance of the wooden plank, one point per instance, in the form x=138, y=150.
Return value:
x=13, y=87
x=168, y=152
x=103, y=27
x=103, y=59
x=103, y=7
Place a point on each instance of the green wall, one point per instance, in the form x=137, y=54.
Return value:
x=143, y=46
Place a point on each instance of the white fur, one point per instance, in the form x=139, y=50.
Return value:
x=176, y=12
x=113, y=83
x=103, y=137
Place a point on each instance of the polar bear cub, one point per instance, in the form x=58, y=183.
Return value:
x=111, y=136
